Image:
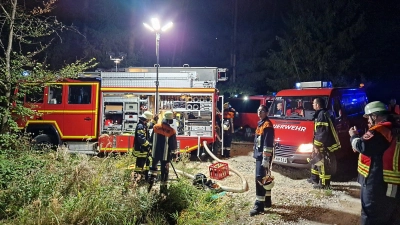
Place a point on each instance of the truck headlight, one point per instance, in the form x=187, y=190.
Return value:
x=305, y=148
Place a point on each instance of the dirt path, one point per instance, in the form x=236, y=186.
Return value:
x=294, y=199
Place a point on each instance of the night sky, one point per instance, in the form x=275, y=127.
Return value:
x=203, y=32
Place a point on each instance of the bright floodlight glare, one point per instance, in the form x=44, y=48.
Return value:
x=155, y=23
x=148, y=27
x=167, y=26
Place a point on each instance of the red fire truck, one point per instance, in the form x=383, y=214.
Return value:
x=292, y=116
x=245, y=122
x=98, y=112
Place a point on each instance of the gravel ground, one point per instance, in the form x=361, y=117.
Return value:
x=294, y=201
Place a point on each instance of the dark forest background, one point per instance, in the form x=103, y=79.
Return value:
x=267, y=45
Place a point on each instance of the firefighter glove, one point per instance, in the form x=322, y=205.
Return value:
x=265, y=162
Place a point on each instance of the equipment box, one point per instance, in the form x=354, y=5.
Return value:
x=219, y=170
x=131, y=106
x=113, y=127
x=129, y=126
x=131, y=117
x=113, y=109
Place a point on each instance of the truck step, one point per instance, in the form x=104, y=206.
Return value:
x=81, y=148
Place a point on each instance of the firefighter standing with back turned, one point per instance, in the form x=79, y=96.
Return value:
x=263, y=153
x=378, y=166
x=229, y=114
x=325, y=143
x=142, y=145
x=164, y=145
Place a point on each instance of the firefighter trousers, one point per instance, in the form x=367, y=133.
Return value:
x=377, y=208
x=228, y=136
x=261, y=192
x=143, y=161
x=164, y=169
x=321, y=174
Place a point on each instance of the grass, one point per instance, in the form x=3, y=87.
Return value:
x=56, y=187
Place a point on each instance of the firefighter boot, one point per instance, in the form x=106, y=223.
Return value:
x=323, y=184
x=258, y=208
x=227, y=153
x=268, y=202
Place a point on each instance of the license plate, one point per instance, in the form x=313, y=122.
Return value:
x=281, y=159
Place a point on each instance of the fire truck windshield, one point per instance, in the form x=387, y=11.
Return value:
x=293, y=107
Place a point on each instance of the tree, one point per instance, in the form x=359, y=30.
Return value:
x=318, y=43
x=26, y=32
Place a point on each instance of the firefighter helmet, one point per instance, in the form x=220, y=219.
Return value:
x=226, y=105
x=267, y=182
x=199, y=179
x=169, y=115
x=375, y=107
x=147, y=115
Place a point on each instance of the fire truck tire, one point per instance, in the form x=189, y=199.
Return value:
x=41, y=141
x=333, y=164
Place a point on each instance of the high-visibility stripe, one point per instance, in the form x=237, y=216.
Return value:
x=314, y=171
x=321, y=124
x=396, y=156
x=317, y=143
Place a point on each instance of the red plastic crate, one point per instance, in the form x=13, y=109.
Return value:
x=219, y=170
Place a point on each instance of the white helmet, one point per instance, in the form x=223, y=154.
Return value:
x=169, y=115
x=147, y=115
x=267, y=182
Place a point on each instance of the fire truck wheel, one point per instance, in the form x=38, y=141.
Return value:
x=333, y=164
x=41, y=142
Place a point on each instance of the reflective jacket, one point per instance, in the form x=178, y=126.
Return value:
x=228, y=116
x=264, y=138
x=380, y=152
x=325, y=135
x=164, y=141
x=141, y=143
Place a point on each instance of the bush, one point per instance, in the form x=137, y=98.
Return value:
x=59, y=188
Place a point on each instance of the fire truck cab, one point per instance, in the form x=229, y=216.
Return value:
x=292, y=116
x=98, y=111
x=245, y=121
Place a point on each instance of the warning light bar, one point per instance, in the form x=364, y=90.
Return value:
x=314, y=84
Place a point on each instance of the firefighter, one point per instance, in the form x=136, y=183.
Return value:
x=229, y=114
x=164, y=145
x=142, y=145
x=325, y=143
x=263, y=153
x=378, y=166
x=393, y=107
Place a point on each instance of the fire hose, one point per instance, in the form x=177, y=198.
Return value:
x=243, y=188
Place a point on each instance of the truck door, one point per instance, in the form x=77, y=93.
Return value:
x=53, y=111
x=342, y=127
x=80, y=112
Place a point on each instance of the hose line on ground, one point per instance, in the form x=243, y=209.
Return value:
x=244, y=187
